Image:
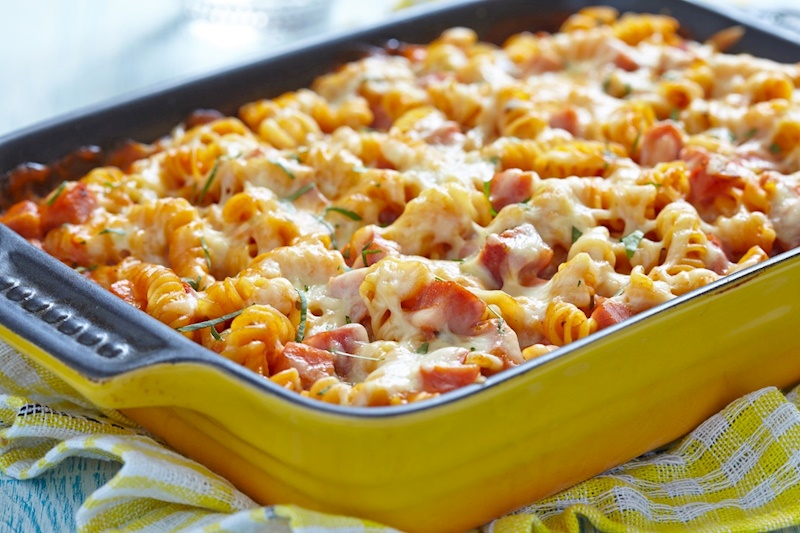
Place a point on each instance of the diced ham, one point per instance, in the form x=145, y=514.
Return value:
x=711, y=175
x=609, y=312
x=342, y=340
x=367, y=247
x=346, y=338
x=72, y=205
x=662, y=143
x=440, y=378
x=24, y=219
x=624, y=61
x=455, y=307
x=518, y=253
x=510, y=186
x=346, y=287
x=447, y=133
x=565, y=119
x=311, y=363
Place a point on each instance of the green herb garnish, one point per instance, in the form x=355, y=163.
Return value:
x=365, y=251
x=301, y=327
x=749, y=134
x=215, y=333
x=299, y=192
x=628, y=90
x=193, y=283
x=342, y=211
x=57, y=193
x=775, y=148
x=423, y=348
x=115, y=231
x=500, y=320
x=204, y=246
x=631, y=242
x=635, y=144
x=675, y=114
x=487, y=186
x=576, y=234
x=86, y=269
x=209, y=323
x=282, y=167
x=209, y=179
x=347, y=319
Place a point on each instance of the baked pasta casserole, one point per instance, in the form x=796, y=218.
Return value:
x=431, y=215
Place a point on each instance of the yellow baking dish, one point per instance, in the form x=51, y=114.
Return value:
x=446, y=464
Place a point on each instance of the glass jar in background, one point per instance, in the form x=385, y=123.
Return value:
x=288, y=17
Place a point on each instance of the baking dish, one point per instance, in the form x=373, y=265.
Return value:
x=422, y=467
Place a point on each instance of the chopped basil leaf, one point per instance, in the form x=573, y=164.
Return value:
x=487, y=185
x=423, y=348
x=193, y=283
x=301, y=327
x=300, y=192
x=215, y=333
x=675, y=114
x=204, y=246
x=342, y=211
x=347, y=319
x=635, y=144
x=115, y=231
x=576, y=234
x=365, y=251
x=628, y=90
x=775, y=148
x=211, y=176
x=57, y=193
x=211, y=322
x=282, y=167
x=631, y=242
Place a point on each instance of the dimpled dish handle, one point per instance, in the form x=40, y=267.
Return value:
x=49, y=305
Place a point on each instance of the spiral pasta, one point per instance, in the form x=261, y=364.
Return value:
x=420, y=220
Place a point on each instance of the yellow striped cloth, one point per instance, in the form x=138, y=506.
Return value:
x=738, y=471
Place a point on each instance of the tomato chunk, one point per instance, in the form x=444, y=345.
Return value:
x=439, y=378
x=24, y=219
x=72, y=205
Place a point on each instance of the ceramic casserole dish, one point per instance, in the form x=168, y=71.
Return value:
x=444, y=464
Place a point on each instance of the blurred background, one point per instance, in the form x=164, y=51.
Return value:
x=57, y=57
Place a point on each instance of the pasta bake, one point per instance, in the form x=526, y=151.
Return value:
x=426, y=217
